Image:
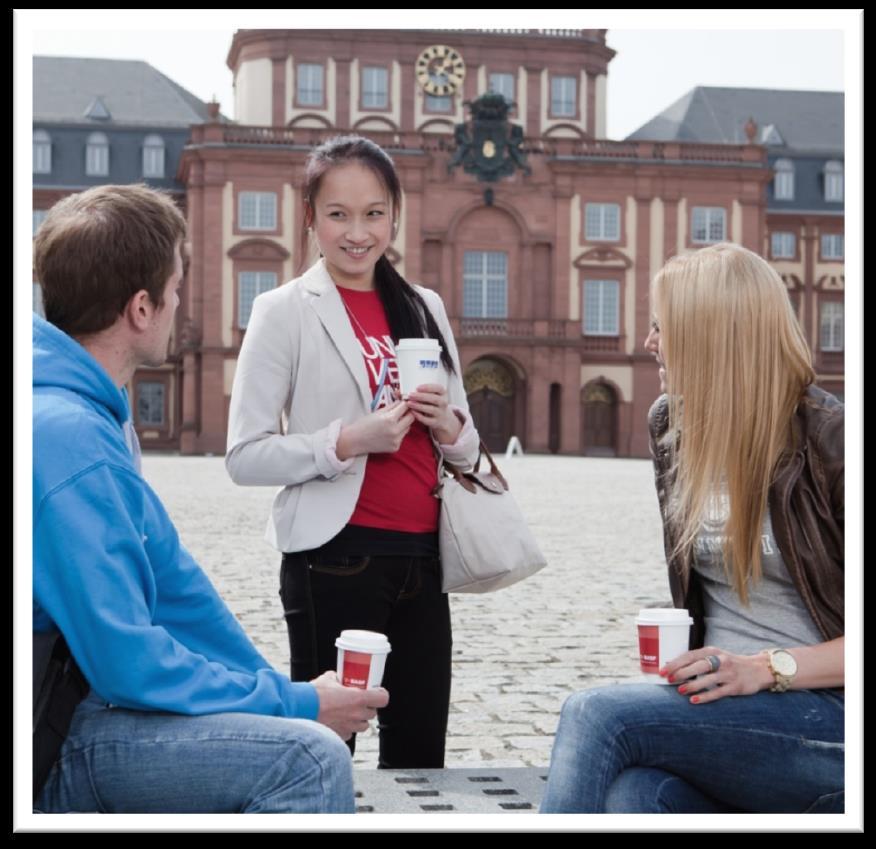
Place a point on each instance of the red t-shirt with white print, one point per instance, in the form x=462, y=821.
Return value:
x=397, y=490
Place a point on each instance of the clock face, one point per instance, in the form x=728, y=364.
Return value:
x=440, y=70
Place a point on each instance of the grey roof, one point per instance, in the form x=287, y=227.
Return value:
x=133, y=92
x=810, y=121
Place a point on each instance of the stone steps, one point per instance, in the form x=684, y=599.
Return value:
x=470, y=791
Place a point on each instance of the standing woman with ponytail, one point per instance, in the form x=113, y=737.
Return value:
x=315, y=410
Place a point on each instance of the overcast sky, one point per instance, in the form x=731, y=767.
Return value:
x=652, y=69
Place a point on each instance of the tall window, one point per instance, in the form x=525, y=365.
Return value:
x=97, y=155
x=784, y=245
x=833, y=181
x=832, y=246
x=257, y=211
x=438, y=104
x=601, y=307
x=708, y=224
x=153, y=156
x=252, y=284
x=503, y=84
x=485, y=284
x=784, y=182
x=602, y=222
x=563, y=96
x=310, y=85
x=832, y=314
x=150, y=403
x=375, y=88
x=42, y=152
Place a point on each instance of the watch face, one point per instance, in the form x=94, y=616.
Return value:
x=784, y=663
x=440, y=70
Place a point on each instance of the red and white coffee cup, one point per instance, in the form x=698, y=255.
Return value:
x=361, y=658
x=664, y=634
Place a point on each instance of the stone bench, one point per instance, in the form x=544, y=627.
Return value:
x=469, y=791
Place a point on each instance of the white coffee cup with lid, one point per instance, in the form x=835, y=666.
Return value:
x=419, y=363
x=664, y=634
x=361, y=658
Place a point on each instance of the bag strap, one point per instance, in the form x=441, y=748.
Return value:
x=462, y=477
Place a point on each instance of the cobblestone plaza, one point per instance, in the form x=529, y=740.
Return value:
x=517, y=653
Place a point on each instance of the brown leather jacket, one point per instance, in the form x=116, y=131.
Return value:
x=807, y=506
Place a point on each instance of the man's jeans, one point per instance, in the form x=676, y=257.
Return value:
x=643, y=748
x=123, y=761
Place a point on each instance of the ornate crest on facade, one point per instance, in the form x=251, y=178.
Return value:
x=489, y=146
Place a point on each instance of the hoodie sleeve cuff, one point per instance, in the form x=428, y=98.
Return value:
x=305, y=701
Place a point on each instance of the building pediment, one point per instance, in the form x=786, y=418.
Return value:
x=831, y=282
x=377, y=123
x=603, y=256
x=312, y=121
x=264, y=249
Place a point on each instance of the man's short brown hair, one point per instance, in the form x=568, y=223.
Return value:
x=98, y=248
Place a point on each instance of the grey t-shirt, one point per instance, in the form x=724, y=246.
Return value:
x=775, y=615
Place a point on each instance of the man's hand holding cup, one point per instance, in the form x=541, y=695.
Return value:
x=347, y=710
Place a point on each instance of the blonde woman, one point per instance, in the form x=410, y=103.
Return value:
x=748, y=455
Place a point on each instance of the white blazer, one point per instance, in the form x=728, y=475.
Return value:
x=300, y=377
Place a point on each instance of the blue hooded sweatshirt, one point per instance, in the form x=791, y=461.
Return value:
x=142, y=620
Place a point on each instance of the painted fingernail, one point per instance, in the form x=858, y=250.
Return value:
x=696, y=700
x=663, y=672
x=671, y=679
x=682, y=689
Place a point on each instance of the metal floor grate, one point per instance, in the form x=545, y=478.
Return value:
x=481, y=791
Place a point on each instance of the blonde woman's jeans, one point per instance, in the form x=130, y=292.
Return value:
x=644, y=748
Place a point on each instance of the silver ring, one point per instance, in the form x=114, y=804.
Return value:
x=714, y=662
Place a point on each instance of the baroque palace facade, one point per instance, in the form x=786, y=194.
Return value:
x=540, y=234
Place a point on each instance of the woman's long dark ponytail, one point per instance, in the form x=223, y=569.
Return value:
x=406, y=311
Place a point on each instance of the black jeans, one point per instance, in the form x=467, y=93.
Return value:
x=400, y=597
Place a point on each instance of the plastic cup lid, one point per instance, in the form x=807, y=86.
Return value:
x=418, y=344
x=663, y=616
x=364, y=641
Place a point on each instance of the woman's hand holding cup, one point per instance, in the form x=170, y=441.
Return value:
x=429, y=406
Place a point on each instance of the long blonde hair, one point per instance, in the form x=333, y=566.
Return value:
x=737, y=364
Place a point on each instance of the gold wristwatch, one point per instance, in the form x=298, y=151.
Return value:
x=784, y=668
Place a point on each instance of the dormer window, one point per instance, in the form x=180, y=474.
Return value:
x=42, y=152
x=771, y=136
x=97, y=155
x=97, y=110
x=784, y=182
x=153, y=157
x=833, y=181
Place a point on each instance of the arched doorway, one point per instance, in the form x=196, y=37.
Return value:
x=491, y=387
x=598, y=420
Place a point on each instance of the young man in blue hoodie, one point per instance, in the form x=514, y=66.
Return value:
x=184, y=715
